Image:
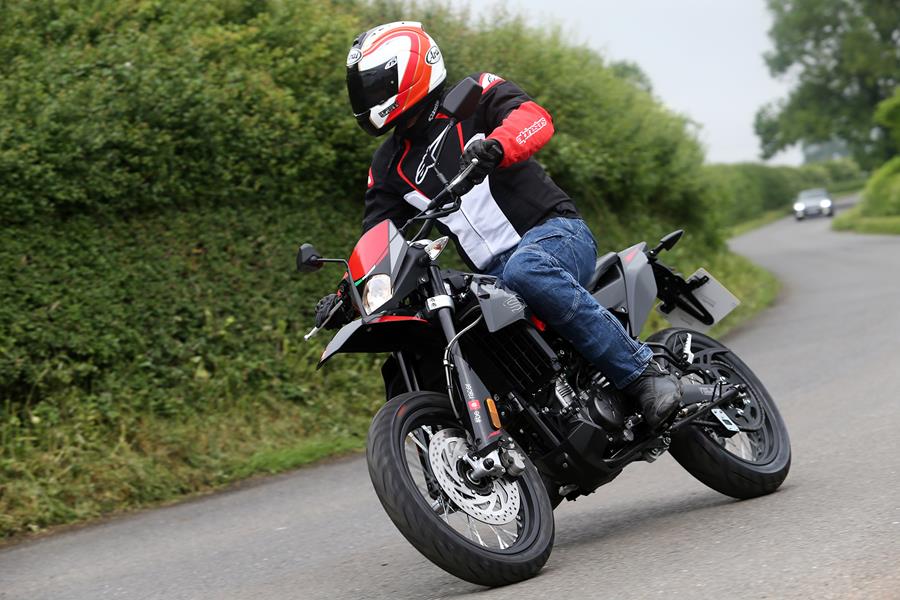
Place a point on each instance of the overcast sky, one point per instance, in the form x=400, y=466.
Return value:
x=704, y=58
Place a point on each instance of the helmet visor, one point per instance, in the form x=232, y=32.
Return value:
x=371, y=87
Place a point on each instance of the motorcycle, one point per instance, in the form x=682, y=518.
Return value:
x=492, y=419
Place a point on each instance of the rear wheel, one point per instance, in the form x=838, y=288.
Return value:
x=492, y=532
x=751, y=462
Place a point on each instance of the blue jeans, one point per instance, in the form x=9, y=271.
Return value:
x=549, y=268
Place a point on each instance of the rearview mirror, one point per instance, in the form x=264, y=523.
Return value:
x=308, y=259
x=461, y=102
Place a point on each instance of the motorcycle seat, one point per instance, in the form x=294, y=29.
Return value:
x=603, y=264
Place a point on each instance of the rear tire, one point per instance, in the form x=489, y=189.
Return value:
x=418, y=516
x=703, y=452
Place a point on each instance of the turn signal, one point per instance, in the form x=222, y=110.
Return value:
x=434, y=249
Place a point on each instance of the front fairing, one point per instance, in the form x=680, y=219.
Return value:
x=380, y=333
x=383, y=250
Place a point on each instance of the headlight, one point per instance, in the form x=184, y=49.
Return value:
x=377, y=292
x=825, y=203
x=799, y=206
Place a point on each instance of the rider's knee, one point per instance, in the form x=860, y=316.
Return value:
x=522, y=267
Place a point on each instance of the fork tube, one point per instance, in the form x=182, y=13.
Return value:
x=473, y=391
x=409, y=378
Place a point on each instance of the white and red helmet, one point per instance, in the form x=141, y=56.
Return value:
x=391, y=70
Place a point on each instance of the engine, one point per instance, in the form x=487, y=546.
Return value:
x=597, y=396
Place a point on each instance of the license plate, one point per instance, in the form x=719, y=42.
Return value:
x=712, y=295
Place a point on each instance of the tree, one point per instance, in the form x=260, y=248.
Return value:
x=631, y=71
x=845, y=58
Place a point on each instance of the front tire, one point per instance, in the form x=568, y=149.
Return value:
x=514, y=537
x=751, y=463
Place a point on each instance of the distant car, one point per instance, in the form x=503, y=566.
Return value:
x=813, y=202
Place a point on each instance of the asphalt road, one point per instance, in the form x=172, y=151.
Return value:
x=829, y=352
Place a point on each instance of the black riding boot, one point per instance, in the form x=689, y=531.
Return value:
x=657, y=393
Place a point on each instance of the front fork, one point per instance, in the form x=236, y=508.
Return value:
x=471, y=390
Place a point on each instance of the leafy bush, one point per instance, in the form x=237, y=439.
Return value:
x=134, y=106
x=881, y=198
x=127, y=113
x=882, y=194
x=159, y=164
x=747, y=190
x=131, y=107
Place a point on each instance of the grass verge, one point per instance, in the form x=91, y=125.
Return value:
x=852, y=220
x=845, y=188
x=764, y=219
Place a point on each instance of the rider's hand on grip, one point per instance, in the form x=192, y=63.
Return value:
x=324, y=307
x=489, y=154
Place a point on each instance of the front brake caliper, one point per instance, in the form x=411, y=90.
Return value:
x=512, y=460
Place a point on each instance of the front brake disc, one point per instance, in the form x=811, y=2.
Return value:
x=497, y=506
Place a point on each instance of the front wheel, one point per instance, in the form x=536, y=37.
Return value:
x=751, y=462
x=491, y=532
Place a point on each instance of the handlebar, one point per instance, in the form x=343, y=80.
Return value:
x=429, y=214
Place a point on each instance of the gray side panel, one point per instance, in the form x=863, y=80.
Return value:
x=640, y=286
x=612, y=295
x=499, y=305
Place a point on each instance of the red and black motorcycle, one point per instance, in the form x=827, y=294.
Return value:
x=492, y=419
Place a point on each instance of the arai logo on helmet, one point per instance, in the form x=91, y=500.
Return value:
x=385, y=112
x=390, y=63
x=353, y=57
x=434, y=55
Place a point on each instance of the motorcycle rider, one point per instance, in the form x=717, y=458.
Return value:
x=515, y=222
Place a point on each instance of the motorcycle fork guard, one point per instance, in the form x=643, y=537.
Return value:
x=473, y=397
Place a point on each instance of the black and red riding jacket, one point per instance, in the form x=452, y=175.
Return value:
x=496, y=213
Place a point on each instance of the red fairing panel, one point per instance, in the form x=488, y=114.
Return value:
x=397, y=319
x=524, y=131
x=370, y=250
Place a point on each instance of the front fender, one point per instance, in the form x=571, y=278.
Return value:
x=383, y=333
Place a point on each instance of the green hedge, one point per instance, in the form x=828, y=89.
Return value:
x=112, y=110
x=161, y=160
x=881, y=197
x=745, y=191
x=135, y=106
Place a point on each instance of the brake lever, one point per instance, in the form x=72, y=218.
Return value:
x=316, y=329
x=448, y=189
x=462, y=175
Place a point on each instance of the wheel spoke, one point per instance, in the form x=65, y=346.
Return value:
x=500, y=541
x=446, y=510
x=476, y=512
x=750, y=442
x=418, y=443
x=474, y=531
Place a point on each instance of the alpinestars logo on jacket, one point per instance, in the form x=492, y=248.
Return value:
x=497, y=212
